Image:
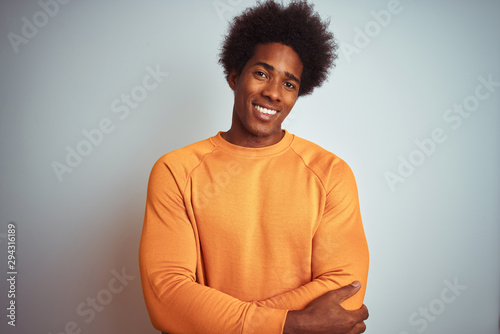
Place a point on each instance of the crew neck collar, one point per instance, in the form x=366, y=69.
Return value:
x=280, y=146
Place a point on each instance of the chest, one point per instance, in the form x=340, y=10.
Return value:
x=257, y=200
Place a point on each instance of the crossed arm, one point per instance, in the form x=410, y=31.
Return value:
x=326, y=315
x=177, y=303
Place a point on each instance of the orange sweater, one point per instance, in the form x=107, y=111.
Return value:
x=234, y=237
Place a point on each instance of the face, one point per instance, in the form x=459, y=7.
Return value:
x=264, y=94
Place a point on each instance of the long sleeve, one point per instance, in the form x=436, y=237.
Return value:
x=340, y=251
x=176, y=302
x=235, y=237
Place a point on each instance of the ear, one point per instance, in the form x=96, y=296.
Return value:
x=232, y=79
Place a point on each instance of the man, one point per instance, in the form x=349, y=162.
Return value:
x=255, y=230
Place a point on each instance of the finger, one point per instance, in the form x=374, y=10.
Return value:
x=365, y=312
x=359, y=328
x=361, y=313
x=347, y=291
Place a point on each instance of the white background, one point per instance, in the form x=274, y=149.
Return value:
x=440, y=225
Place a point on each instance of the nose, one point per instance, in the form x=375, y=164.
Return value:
x=272, y=90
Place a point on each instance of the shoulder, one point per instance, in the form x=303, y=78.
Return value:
x=189, y=155
x=181, y=162
x=330, y=168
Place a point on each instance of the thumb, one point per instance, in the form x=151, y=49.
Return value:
x=347, y=291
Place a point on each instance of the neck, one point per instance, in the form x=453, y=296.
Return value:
x=247, y=139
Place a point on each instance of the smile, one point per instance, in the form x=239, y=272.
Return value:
x=265, y=110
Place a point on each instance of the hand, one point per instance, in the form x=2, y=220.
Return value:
x=325, y=315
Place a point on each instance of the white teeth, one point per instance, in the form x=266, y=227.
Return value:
x=265, y=111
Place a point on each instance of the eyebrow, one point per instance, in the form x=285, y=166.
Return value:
x=271, y=68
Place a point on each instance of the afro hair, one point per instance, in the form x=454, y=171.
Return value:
x=296, y=26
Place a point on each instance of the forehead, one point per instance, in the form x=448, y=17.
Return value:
x=282, y=57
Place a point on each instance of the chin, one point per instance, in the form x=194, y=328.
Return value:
x=266, y=132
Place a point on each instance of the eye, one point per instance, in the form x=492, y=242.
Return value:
x=289, y=85
x=260, y=74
